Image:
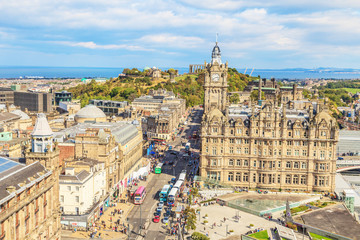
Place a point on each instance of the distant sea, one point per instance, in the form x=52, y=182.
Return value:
x=88, y=72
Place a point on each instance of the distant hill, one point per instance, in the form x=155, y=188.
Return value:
x=189, y=87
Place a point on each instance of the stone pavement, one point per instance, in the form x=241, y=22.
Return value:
x=216, y=214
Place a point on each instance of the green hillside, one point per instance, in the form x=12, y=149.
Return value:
x=189, y=87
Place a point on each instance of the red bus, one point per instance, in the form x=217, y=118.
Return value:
x=140, y=195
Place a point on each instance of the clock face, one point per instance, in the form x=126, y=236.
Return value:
x=215, y=77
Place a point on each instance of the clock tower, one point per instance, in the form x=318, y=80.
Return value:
x=215, y=82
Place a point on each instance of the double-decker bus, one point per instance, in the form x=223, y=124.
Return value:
x=182, y=176
x=164, y=193
x=158, y=168
x=178, y=184
x=139, y=195
x=172, y=196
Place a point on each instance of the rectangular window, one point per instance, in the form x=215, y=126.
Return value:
x=232, y=140
x=69, y=188
x=322, y=154
x=213, y=162
x=77, y=199
x=215, y=130
x=254, y=163
x=296, y=152
x=231, y=162
x=246, y=150
x=238, y=141
x=238, y=150
x=238, y=162
x=214, y=151
x=246, y=163
x=231, y=150
x=304, y=153
x=288, y=152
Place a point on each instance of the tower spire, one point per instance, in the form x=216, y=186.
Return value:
x=217, y=35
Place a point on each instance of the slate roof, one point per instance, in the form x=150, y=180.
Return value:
x=20, y=174
x=6, y=116
x=79, y=177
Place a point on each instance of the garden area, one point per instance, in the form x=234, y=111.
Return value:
x=263, y=235
x=319, y=237
x=321, y=204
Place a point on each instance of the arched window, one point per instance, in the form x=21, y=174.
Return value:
x=231, y=162
x=231, y=177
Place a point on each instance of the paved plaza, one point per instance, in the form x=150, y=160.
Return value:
x=216, y=215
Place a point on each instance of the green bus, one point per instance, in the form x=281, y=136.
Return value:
x=158, y=168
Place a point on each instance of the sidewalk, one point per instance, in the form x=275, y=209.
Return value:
x=107, y=232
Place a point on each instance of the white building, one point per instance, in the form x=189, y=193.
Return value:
x=83, y=187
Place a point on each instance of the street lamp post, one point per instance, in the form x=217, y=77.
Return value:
x=128, y=229
x=226, y=229
x=140, y=221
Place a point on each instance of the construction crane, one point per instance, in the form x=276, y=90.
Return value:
x=251, y=72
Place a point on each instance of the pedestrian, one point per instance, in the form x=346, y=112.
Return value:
x=224, y=219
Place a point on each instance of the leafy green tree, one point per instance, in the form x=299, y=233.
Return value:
x=255, y=95
x=115, y=91
x=199, y=236
x=235, y=98
x=190, y=218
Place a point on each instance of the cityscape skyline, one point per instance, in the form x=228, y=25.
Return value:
x=258, y=34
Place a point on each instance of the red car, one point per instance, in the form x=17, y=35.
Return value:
x=156, y=219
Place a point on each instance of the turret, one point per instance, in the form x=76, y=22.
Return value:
x=41, y=137
x=216, y=54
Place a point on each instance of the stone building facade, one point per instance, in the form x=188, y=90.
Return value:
x=268, y=146
x=29, y=194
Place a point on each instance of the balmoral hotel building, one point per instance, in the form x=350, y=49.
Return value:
x=268, y=146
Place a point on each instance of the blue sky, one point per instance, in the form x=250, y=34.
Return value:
x=166, y=33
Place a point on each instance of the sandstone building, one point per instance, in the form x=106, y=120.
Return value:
x=29, y=194
x=268, y=146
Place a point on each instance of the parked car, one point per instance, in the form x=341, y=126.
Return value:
x=159, y=209
x=166, y=219
x=173, y=180
x=161, y=204
x=157, y=214
x=156, y=219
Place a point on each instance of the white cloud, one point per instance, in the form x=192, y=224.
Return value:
x=92, y=45
x=186, y=27
x=170, y=40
